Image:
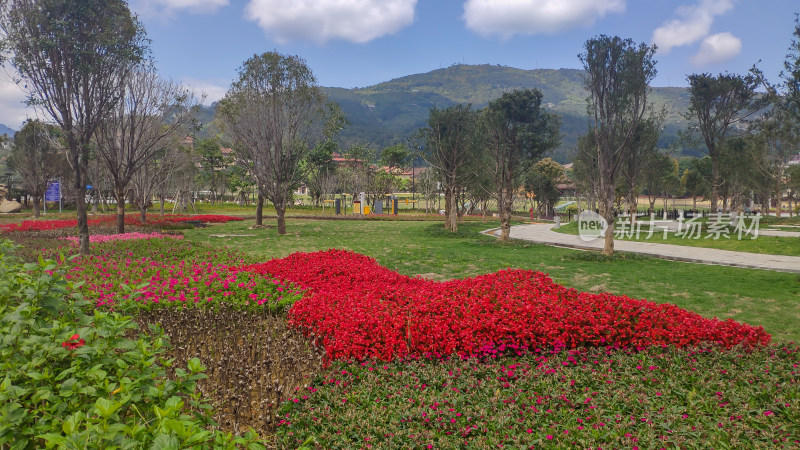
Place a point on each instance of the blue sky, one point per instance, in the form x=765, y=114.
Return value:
x=357, y=43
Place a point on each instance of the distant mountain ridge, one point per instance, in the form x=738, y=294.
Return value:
x=390, y=112
x=6, y=130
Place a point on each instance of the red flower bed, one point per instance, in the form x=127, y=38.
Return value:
x=358, y=309
x=43, y=225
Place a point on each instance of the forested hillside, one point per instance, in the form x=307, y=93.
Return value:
x=391, y=112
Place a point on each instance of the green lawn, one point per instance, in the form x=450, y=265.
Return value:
x=757, y=297
x=770, y=245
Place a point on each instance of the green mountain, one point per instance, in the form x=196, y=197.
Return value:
x=390, y=112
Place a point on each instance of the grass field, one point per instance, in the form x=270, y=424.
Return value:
x=757, y=297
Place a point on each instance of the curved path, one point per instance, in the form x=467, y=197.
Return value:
x=542, y=234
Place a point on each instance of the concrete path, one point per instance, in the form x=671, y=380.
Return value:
x=542, y=234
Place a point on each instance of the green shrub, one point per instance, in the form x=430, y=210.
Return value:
x=77, y=379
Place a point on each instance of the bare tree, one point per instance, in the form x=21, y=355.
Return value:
x=618, y=73
x=153, y=178
x=37, y=159
x=74, y=57
x=274, y=113
x=152, y=113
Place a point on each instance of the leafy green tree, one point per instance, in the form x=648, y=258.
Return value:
x=694, y=179
x=519, y=132
x=212, y=171
x=451, y=141
x=618, y=73
x=74, y=58
x=791, y=72
x=719, y=106
x=276, y=113
x=776, y=139
x=395, y=157
x=643, y=153
x=37, y=158
x=661, y=178
x=793, y=185
x=585, y=170
x=542, y=180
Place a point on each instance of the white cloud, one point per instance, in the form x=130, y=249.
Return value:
x=694, y=24
x=12, y=109
x=209, y=91
x=717, y=48
x=167, y=8
x=509, y=17
x=323, y=20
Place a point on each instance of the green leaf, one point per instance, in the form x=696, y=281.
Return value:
x=164, y=442
x=53, y=438
x=105, y=408
x=195, y=365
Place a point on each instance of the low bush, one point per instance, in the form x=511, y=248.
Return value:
x=584, y=398
x=73, y=378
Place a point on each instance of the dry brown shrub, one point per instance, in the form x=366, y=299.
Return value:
x=254, y=361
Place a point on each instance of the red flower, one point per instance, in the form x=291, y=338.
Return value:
x=73, y=342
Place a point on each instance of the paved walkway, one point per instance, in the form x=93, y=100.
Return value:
x=542, y=234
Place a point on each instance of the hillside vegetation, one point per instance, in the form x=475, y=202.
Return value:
x=391, y=112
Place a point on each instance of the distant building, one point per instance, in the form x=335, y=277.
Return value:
x=795, y=159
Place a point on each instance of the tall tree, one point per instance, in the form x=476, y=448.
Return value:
x=520, y=131
x=643, y=153
x=791, y=72
x=718, y=106
x=450, y=143
x=694, y=179
x=150, y=114
x=542, y=180
x=74, y=57
x=275, y=113
x=618, y=73
x=37, y=158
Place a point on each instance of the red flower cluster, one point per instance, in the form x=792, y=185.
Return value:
x=43, y=225
x=358, y=309
x=72, y=343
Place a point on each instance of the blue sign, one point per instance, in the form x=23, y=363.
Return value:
x=88, y=186
x=53, y=193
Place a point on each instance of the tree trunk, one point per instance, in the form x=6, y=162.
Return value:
x=606, y=204
x=633, y=204
x=161, y=200
x=714, y=184
x=450, y=223
x=506, y=205
x=36, y=206
x=83, y=221
x=119, y=194
x=260, y=210
x=143, y=214
x=281, y=219
x=452, y=213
